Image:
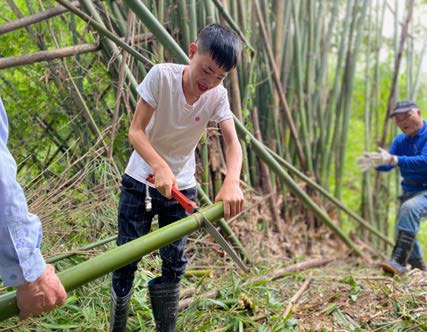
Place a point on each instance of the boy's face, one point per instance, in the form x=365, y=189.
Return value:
x=204, y=73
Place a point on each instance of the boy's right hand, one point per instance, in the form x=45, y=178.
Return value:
x=163, y=181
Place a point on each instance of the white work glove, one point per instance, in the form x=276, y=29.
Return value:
x=375, y=159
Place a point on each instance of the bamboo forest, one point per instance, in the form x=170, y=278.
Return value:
x=324, y=240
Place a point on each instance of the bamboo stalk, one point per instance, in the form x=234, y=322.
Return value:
x=278, y=86
x=15, y=61
x=294, y=188
x=119, y=95
x=157, y=29
x=28, y=20
x=329, y=196
x=232, y=24
x=392, y=95
x=118, y=257
x=102, y=30
x=266, y=180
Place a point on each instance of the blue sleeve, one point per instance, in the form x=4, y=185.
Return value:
x=413, y=163
x=20, y=231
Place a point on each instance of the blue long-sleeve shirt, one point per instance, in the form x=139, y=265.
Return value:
x=20, y=231
x=412, y=158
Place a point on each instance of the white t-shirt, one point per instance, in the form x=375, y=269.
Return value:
x=176, y=127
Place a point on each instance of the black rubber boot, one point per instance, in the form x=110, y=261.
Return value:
x=417, y=263
x=164, y=303
x=119, y=311
x=401, y=251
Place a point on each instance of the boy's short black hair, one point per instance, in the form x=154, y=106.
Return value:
x=222, y=43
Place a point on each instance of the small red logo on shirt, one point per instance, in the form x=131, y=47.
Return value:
x=197, y=118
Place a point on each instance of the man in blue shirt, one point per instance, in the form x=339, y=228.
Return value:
x=408, y=151
x=21, y=262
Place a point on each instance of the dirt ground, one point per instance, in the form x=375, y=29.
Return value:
x=347, y=294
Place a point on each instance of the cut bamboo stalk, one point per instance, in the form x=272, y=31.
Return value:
x=118, y=257
x=298, y=267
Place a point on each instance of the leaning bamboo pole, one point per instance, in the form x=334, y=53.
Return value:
x=28, y=20
x=15, y=61
x=118, y=257
x=292, y=169
x=262, y=153
x=102, y=30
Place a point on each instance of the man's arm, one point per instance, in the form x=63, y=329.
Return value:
x=21, y=262
x=164, y=178
x=230, y=192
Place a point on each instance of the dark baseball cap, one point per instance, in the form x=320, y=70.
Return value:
x=403, y=107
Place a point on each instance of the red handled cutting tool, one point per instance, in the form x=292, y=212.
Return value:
x=191, y=207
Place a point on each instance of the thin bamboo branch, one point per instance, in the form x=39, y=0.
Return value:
x=64, y=52
x=298, y=267
x=26, y=21
x=294, y=299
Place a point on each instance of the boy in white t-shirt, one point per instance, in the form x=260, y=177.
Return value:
x=176, y=104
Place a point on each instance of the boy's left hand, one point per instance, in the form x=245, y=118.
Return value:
x=232, y=197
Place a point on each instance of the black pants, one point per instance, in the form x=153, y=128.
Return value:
x=135, y=221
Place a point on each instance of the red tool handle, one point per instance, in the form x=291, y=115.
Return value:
x=185, y=202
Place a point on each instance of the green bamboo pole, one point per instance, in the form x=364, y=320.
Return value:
x=210, y=16
x=118, y=257
x=329, y=196
x=183, y=20
x=348, y=83
x=157, y=29
x=278, y=86
x=294, y=188
x=327, y=157
x=192, y=13
x=161, y=17
x=103, y=31
x=367, y=206
x=232, y=23
x=302, y=111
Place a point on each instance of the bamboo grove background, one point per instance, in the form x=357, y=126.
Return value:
x=314, y=85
